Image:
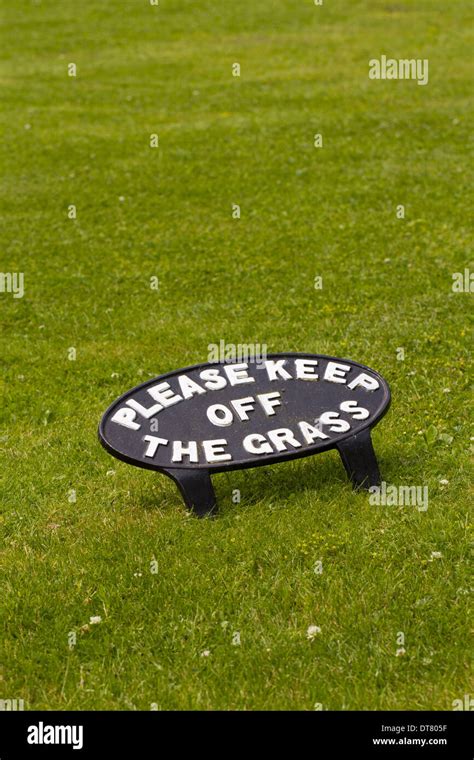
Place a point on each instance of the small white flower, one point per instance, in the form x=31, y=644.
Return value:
x=422, y=601
x=121, y=198
x=312, y=632
x=446, y=390
x=137, y=575
x=436, y=555
x=444, y=482
x=27, y=126
x=400, y=652
x=206, y=653
x=110, y=472
x=114, y=374
x=95, y=619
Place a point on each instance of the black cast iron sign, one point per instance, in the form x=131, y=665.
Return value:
x=226, y=416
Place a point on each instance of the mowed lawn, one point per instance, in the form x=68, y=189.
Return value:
x=214, y=614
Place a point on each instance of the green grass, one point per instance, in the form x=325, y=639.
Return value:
x=304, y=212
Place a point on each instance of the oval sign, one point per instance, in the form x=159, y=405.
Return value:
x=222, y=416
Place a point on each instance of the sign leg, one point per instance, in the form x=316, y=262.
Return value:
x=196, y=489
x=359, y=460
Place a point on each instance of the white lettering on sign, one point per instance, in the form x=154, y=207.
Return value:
x=214, y=380
x=364, y=381
x=357, y=412
x=311, y=433
x=242, y=406
x=147, y=413
x=214, y=450
x=153, y=443
x=126, y=417
x=336, y=425
x=247, y=409
x=164, y=395
x=256, y=443
x=180, y=449
x=281, y=437
x=278, y=440
x=305, y=369
x=335, y=372
x=220, y=415
x=237, y=373
x=276, y=370
x=188, y=387
x=269, y=401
